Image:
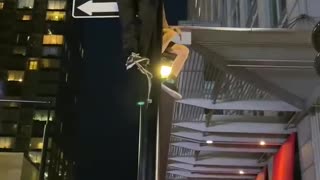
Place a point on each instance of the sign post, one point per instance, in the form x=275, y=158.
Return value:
x=89, y=9
x=148, y=115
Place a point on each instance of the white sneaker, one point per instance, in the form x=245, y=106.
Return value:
x=170, y=89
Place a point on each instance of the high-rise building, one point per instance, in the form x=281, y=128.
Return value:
x=32, y=46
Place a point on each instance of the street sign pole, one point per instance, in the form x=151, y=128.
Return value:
x=148, y=112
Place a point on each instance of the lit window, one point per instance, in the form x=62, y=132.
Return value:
x=42, y=115
x=56, y=4
x=20, y=51
x=6, y=142
x=1, y=5
x=51, y=51
x=33, y=65
x=50, y=63
x=55, y=16
x=35, y=157
x=26, y=18
x=15, y=76
x=25, y=4
x=53, y=39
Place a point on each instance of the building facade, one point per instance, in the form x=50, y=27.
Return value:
x=32, y=53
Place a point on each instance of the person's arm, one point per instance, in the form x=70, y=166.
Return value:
x=164, y=19
x=166, y=26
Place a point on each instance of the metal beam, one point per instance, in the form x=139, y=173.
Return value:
x=238, y=118
x=238, y=127
x=309, y=103
x=220, y=161
x=216, y=148
x=230, y=138
x=258, y=105
x=250, y=77
x=195, y=175
x=220, y=170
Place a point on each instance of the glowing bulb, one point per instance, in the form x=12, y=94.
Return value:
x=20, y=80
x=209, y=142
x=241, y=172
x=262, y=143
x=165, y=71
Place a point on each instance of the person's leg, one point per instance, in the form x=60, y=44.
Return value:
x=128, y=11
x=182, y=54
x=167, y=37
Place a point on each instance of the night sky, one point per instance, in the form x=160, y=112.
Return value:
x=108, y=122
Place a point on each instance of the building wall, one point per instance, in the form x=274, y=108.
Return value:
x=29, y=172
x=309, y=149
x=10, y=166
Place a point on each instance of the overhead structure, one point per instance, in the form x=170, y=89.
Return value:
x=241, y=88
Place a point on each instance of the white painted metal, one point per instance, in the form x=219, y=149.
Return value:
x=231, y=138
x=192, y=175
x=258, y=105
x=214, y=148
x=226, y=170
x=238, y=127
x=220, y=161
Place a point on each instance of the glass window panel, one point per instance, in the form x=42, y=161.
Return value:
x=25, y=4
x=36, y=143
x=56, y=4
x=26, y=18
x=15, y=76
x=7, y=142
x=42, y=115
x=55, y=16
x=23, y=38
x=35, y=157
x=33, y=65
x=51, y=51
x=1, y=5
x=20, y=51
x=50, y=63
x=53, y=39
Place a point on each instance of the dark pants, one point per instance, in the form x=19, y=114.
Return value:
x=137, y=32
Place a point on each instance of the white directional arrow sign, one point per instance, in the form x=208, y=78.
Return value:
x=103, y=9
